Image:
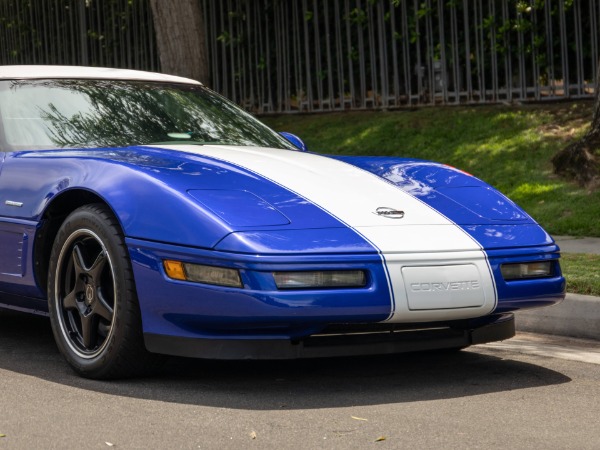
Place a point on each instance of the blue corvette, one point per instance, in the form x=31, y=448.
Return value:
x=147, y=215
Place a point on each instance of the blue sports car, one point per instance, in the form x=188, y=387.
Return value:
x=147, y=215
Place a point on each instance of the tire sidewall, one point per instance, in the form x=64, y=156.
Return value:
x=96, y=220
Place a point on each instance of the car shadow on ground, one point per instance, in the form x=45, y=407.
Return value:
x=27, y=347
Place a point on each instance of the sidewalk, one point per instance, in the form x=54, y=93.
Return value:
x=578, y=315
x=570, y=244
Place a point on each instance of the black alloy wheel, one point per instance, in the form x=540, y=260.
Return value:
x=93, y=306
x=85, y=284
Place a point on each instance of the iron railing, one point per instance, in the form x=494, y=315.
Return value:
x=321, y=55
x=105, y=33
x=310, y=55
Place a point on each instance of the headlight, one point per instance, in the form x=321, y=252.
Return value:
x=320, y=279
x=527, y=270
x=198, y=273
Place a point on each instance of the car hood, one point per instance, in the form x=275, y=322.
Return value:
x=453, y=192
x=436, y=206
x=200, y=195
x=461, y=197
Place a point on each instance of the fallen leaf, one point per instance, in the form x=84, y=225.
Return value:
x=2, y=435
x=253, y=435
x=110, y=444
x=359, y=418
x=380, y=438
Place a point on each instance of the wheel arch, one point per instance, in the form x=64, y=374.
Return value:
x=51, y=220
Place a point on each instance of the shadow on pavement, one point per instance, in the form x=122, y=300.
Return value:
x=27, y=347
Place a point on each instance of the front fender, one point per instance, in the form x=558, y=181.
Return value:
x=147, y=207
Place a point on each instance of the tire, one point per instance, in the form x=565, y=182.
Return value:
x=92, y=299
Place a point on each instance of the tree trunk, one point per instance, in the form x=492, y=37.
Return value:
x=580, y=160
x=181, y=38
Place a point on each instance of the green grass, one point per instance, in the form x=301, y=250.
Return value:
x=582, y=273
x=509, y=147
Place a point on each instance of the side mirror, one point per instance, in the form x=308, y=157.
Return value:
x=295, y=141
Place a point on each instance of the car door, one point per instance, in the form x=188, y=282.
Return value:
x=18, y=287
x=16, y=238
x=12, y=241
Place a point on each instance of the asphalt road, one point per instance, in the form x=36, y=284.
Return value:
x=529, y=392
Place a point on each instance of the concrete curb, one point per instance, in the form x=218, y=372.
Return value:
x=569, y=244
x=577, y=316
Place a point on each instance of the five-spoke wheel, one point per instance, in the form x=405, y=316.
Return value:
x=92, y=299
x=85, y=288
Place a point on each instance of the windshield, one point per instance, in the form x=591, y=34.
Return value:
x=51, y=114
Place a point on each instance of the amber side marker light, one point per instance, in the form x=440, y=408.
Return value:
x=199, y=273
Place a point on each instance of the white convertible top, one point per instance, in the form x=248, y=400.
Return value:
x=78, y=72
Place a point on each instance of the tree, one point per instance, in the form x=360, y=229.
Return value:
x=181, y=38
x=580, y=161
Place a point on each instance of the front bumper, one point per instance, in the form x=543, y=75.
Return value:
x=259, y=321
x=343, y=340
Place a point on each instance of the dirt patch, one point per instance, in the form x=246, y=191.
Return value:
x=568, y=120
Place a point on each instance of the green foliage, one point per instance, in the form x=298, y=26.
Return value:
x=582, y=273
x=358, y=16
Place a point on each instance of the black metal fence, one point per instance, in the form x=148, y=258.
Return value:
x=106, y=33
x=320, y=55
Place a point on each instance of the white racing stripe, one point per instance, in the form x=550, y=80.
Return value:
x=423, y=237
